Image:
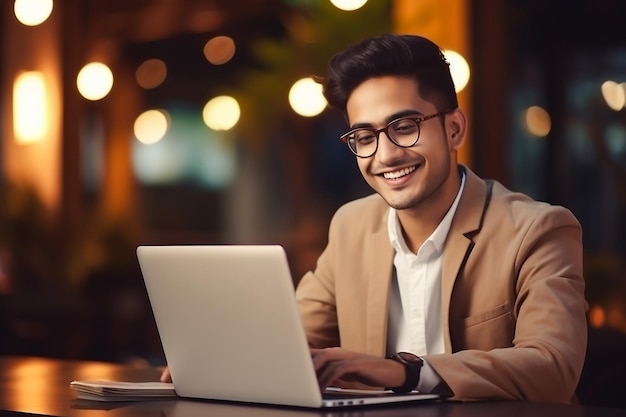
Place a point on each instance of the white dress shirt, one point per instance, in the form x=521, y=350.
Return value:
x=415, y=297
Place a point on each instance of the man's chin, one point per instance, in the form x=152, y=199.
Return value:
x=401, y=202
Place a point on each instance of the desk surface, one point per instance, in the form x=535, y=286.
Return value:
x=41, y=386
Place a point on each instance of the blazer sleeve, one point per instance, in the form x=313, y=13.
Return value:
x=549, y=325
x=315, y=296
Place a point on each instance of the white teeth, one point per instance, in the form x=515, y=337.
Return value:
x=397, y=174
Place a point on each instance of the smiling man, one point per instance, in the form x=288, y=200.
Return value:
x=440, y=281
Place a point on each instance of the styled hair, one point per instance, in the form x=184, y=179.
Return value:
x=408, y=56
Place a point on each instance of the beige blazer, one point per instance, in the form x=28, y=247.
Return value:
x=513, y=306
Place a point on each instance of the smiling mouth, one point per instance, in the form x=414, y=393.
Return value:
x=394, y=175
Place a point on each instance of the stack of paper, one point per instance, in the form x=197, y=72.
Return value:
x=100, y=390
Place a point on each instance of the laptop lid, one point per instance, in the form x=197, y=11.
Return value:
x=230, y=327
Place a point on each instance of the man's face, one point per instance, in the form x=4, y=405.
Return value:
x=406, y=178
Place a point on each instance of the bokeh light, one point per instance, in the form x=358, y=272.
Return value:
x=29, y=107
x=151, y=126
x=188, y=152
x=537, y=121
x=348, y=5
x=306, y=98
x=614, y=94
x=597, y=316
x=219, y=50
x=151, y=73
x=94, y=81
x=459, y=69
x=32, y=12
x=221, y=113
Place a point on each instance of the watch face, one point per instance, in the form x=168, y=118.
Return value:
x=409, y=357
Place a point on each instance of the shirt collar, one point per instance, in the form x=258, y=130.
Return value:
x=437, y=238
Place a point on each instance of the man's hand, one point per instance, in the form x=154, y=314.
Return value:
x=333, y=364
x=165, y=375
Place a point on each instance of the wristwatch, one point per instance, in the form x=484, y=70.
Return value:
x=412, y=365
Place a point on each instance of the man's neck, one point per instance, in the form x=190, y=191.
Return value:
x=420, y=222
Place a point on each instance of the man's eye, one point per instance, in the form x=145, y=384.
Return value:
x=364, y=137
x=404, y=127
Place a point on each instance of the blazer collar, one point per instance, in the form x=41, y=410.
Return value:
x=459, y=244
x=379, y=271
x=471, y=210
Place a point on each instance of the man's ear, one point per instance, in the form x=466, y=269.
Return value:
x=456, y=125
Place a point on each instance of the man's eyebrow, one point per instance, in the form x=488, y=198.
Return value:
x=398, y=115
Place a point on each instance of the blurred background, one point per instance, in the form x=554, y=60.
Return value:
x=127, y=122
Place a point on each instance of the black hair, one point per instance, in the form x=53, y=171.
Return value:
x=408, y=56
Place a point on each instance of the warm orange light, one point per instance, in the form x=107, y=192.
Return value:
x=597, y=317
x=94, y=81
x=615, y=317
x=459, y=69
x=37, y=372
x=537, y=121
x=219, y=50
x=348, y=5
x=221, y=113
x=306, y=98
x=614, y=94
x=151, y=126
x=29, y=107
x=32, y=12
x=151, y=73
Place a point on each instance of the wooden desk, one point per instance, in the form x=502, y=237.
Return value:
x=41, y=386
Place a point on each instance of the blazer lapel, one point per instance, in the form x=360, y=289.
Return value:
x=467, y=220
x=379, y=259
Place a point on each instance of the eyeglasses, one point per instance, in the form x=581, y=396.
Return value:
x=403, y=132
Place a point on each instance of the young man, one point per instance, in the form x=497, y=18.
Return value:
x=441, y=280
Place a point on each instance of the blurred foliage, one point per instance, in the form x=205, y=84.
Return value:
x=31, y=252
x=32, y=246
x=106, y=243
x=316, y=31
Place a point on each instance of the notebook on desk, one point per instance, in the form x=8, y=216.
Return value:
x=230, y=327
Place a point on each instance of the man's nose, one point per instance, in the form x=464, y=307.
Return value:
x=387, y=150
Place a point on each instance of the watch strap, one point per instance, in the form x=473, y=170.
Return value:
x=412, y=366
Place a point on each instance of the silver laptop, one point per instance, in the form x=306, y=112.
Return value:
x=230, y=327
